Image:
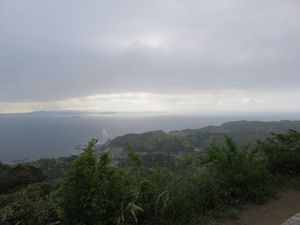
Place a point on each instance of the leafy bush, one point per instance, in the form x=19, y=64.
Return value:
x=243, y=173
x=32, y=205
x=282, y=153
x=94, y=193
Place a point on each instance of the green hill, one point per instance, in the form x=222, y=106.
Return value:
x=185, y=141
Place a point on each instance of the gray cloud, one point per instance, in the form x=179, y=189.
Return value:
x=58, y=49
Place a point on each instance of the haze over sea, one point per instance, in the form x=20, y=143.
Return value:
x=38, y=135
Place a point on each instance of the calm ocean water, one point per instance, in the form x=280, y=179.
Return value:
x=31, y=137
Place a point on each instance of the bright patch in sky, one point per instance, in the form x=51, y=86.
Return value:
x=195, y=103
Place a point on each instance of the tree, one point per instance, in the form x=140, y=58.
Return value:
x=79, y=189
x=94, y=193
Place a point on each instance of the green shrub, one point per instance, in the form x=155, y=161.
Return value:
x=243, y=173
x=32, y=205
x=282, y=153
x=79, y=189
x=94, y=193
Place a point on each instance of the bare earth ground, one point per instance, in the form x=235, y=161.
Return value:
x=274, y=212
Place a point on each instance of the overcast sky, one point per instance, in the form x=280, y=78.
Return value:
x=159, y=55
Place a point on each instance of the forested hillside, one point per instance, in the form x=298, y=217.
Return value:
x=186, y=141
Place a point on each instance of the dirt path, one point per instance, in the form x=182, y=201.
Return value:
x=274, y=212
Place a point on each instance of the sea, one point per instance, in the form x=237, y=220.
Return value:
x=26, y=137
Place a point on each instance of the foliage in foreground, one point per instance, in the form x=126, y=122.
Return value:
x=95, y=193
x=32, y=205
x=282, y=153
x=243, y=172
x=225, y=177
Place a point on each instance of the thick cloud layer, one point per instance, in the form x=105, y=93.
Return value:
x=58, y=49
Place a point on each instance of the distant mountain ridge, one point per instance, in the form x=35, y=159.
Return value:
x=79, y=113
x=60, y=112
